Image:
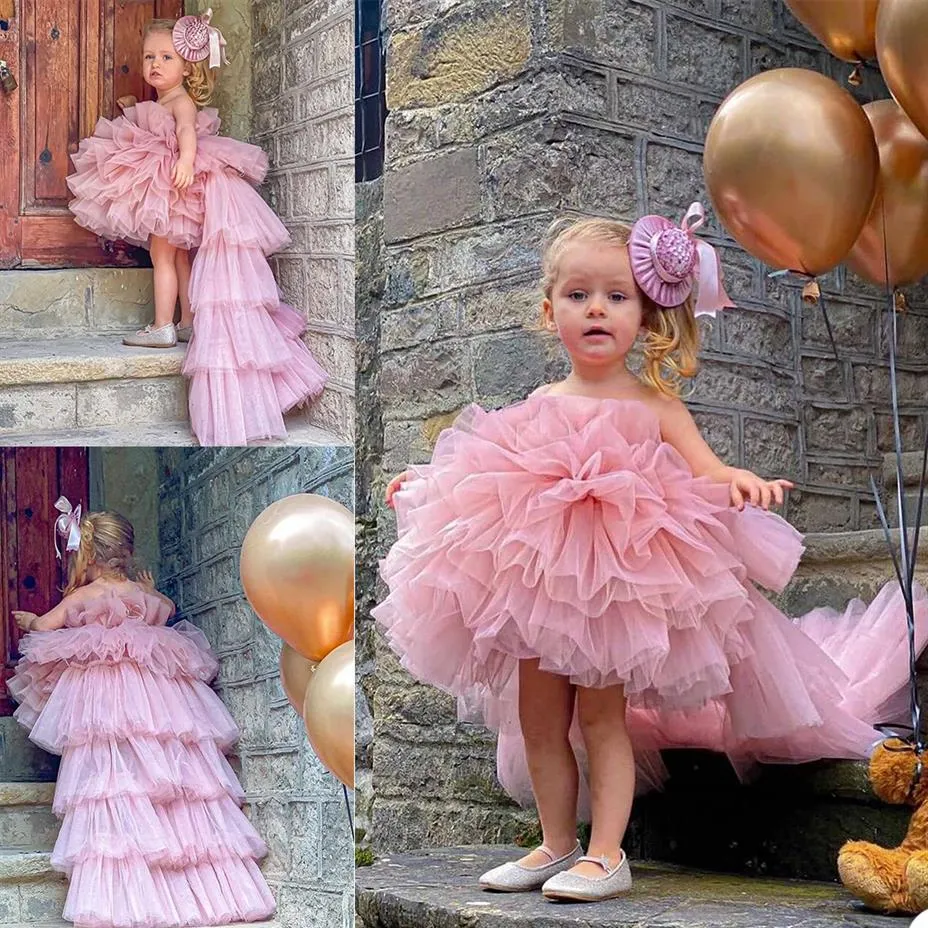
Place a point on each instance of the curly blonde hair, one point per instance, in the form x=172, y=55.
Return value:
x=671, y=344
x=200, y=82
x=108, y=543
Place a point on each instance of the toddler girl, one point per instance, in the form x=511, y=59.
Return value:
x=152, y=833
x=159, y=176
x=579, y=569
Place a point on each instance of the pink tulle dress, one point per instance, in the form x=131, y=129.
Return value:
x=565, y=529
x=246, y=362
x=152, y=832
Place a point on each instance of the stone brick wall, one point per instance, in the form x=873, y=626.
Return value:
x=208, y=499
x=302, y=95
x=503, y=115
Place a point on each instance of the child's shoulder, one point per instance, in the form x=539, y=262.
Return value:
x=182, y=106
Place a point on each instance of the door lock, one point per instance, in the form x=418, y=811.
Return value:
x=7, y=81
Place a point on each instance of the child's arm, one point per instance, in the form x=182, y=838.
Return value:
x=395, y=485
x=184, y=111
x=53, y=619
x=679, y=429
x=147, y=582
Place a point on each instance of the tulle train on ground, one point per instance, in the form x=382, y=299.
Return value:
x=246, y=362
x=152, y=834
x=564, y=529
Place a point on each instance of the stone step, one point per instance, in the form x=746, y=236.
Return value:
x=26, y=817
x=87, y=382
x=93, y=390
x=30, y=889
x=43, y=304
x=438, y=888
x=840, y=566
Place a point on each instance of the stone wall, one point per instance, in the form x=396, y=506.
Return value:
x=302, y=94
x=503, y=115
x=208, y=499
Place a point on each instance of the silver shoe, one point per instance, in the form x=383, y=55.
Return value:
x=184, y=332
x=512, y=877
x=163, y=337
x=617, y=880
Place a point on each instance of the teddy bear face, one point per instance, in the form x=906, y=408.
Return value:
x=893, y=771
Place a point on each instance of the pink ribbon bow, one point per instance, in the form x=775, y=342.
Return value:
x=711, y=295
x=217, y=44
x=67, y=525
x=195, y=39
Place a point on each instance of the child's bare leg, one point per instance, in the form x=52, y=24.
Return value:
x=546, y=707
x=612, y=772
x=182, y=264
x=165, y=273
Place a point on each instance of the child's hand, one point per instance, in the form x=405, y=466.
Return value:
x=24, y=620
x=125, y=102
x=182, y=174
x=748, y=487
x=146, y=581
x=394, y=485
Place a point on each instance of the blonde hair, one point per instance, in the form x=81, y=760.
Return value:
x=671, y=343
x=201, y=81
x=107, y=542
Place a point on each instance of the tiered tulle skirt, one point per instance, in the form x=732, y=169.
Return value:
x=152, y=832
x=564, y=529
x=246, y=362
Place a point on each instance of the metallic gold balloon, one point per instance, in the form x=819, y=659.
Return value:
x=901, y=204
x=297, y=570
x=902, y=50
x=328, y=713
x=847, y=28
x=295, y=674
x=791, y=167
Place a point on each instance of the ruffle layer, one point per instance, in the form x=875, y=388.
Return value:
x=107, y=893
x=160, y=771
x=177, y=834
x=107, y=702
x=564, y=529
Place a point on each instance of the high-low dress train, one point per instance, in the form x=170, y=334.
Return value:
x=246, y=362
x=152, y=835
x=565, y=529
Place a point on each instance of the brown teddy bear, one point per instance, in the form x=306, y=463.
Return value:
x=893, y=879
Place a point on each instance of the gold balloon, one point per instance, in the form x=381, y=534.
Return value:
x=847, y=28
x=328, y=713
x=297, y=570
x=295, y=674
x=902, y=50
x=901, y=204
x=791, y=167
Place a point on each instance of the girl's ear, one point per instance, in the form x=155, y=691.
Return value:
x=547, y=309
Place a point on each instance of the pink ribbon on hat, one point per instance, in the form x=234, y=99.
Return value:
x=67, y=525
x=195, y=39
x=711, y=295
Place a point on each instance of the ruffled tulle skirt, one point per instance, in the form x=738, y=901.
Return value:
x=246, y=362
x=152, y=832
x=564, y=530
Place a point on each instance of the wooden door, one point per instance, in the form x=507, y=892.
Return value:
x=31, y=479
x=72, y=59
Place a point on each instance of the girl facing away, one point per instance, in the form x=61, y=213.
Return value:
x=161, y=177
x=579, y=570
x=152, y=831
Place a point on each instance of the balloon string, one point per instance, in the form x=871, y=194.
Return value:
x=348, y=809
x=904, y=564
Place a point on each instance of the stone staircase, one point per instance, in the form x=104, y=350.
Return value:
x=67, y=379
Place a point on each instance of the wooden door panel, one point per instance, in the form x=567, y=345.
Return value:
x=73, y=60
x=30, y=482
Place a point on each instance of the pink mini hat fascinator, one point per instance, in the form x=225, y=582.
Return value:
x=196, y=40
x=667, y=261
x=67, y=525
